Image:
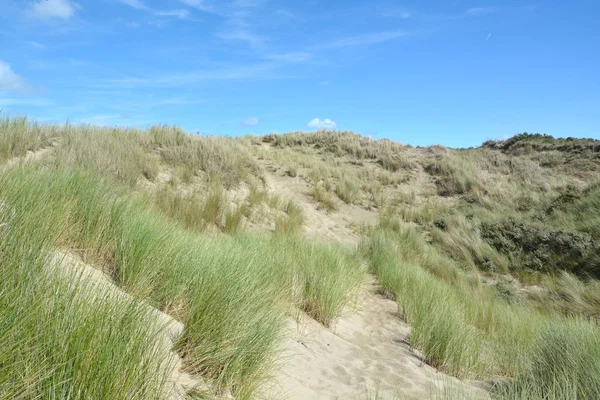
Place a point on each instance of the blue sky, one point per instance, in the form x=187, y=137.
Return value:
x=453, y=72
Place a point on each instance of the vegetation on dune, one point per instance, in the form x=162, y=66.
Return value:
x=492, y=255
x=18, y=135
x=537, y=247
x=463, y=328
x=340, y=143
x=57, y=338
x=231, y=294
x=526, y=142
x=451, y=177
x=127, y=154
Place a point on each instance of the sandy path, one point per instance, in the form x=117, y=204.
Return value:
x=318, y=224
x=364, y=355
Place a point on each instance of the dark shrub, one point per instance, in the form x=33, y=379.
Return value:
x=540, y=247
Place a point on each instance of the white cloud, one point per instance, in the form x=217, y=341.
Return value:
x=362, y=40
x=137, y=4
x=181, y=13
x=396, y=13
x=295, y=57
x=285, y=13
x=9, y=81
x=250, y=122
x=244, y=36
x=481, y=10
x=200, y=5
x=252, y=71
x=35, y=44
x=326, y=123
x=246, y=3
x=47, y=10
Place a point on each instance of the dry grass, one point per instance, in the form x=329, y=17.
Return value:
x=19, y=135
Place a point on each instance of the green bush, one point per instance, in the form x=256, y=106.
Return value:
x=539, y=247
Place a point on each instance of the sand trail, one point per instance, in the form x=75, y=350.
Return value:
x=366, y=354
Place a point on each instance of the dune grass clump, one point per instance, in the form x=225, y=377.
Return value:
x=325, y=276
x=201, y=209
x=123, y=154
x=232, y=294
x=464, y=328
x=18, y=135
x=461, y=237
x=348, y=191
x=452, y=178
x=564, y=364
x=395, y=162
x=217, y=157
x=338, y=143
x=324, y=198
x=128, y=154
x=292, y=221
x=64, y=338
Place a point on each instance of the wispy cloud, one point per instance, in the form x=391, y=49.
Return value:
x=49, y=10
x=200, y=5
x=179, y=13
x=247, y=3
x=401, y=13
x=481, y=10
x=261, y=70
x=251, y=38
x=35, y=44
x=317, y=123
x=137, y=4
x=10, y=81
x=285, y=13
x=293, y=57
x=238, y=18
x=365, y=39
x=250, y=122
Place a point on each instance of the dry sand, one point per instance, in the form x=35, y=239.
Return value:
x=30, y=156
x=365, y=354
x=336, y=226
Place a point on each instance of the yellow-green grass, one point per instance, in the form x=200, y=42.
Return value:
x=60, y=338
x=232, y=293
x=467, y=330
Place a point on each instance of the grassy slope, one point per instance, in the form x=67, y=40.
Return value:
x=132, y=203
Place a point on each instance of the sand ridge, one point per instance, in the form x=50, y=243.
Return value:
x=168, y=329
